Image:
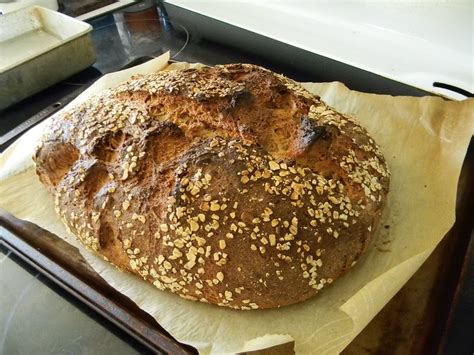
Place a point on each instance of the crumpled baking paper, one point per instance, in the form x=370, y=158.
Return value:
x=424, y=141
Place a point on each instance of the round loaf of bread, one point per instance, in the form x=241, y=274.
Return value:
x=231, y=185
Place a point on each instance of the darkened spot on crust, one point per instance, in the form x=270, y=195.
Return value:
x=107, y=236
x=310, y=132
x=239, y=98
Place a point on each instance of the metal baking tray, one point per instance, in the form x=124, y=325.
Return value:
x=38, y=48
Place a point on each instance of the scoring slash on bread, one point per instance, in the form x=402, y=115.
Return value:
x=230, y=185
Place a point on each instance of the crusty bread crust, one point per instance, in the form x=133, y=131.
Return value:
x=230, y=185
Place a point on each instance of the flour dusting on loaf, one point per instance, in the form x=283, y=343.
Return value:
x=230, y=185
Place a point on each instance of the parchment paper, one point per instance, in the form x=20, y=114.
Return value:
x=424, y=141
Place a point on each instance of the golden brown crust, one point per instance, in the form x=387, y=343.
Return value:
x=230, y=185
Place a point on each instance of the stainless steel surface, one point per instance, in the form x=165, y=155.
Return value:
x=39, y=48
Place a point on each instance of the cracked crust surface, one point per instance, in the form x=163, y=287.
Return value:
x=230, y=185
